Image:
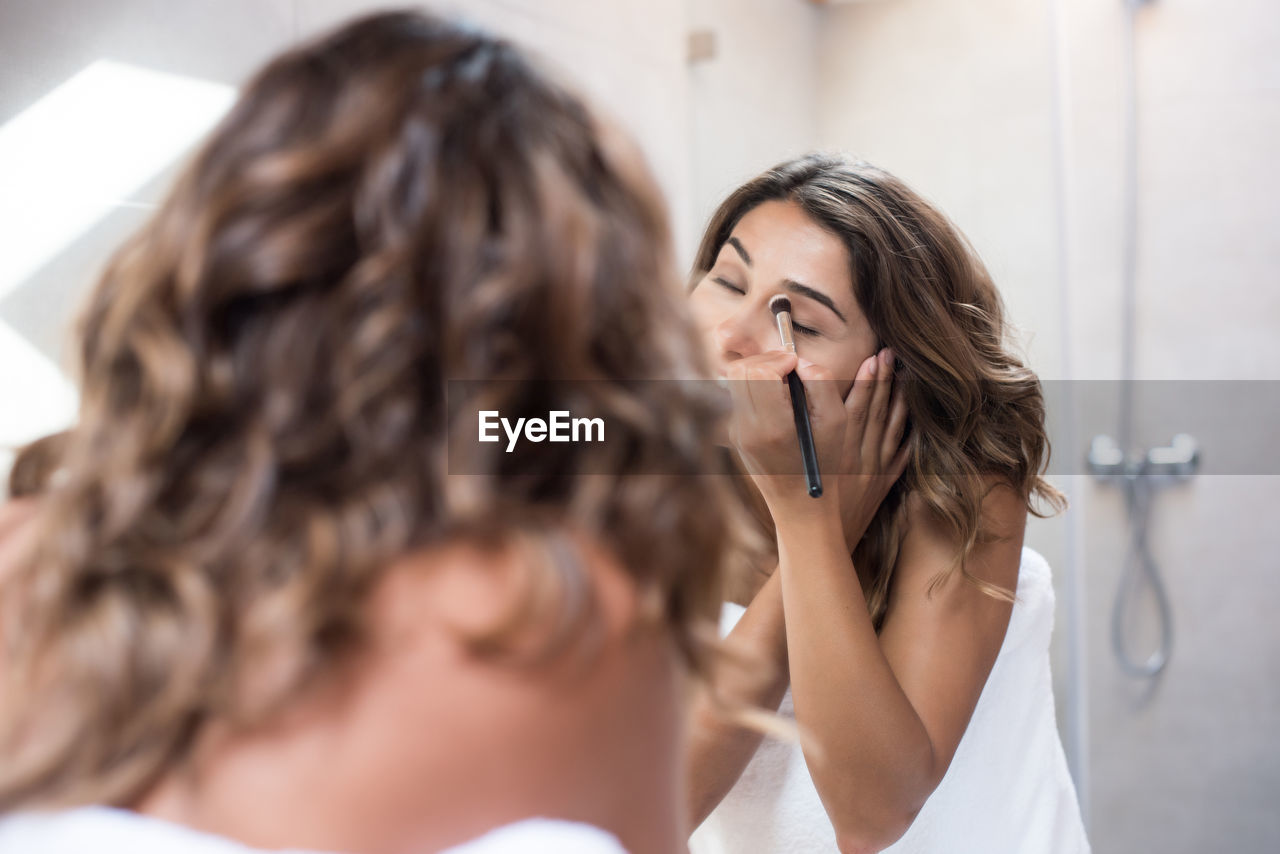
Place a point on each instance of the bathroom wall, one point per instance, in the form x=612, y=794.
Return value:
x=754, y=102
x=952, y=97
x=628, y=56
x=1193, y=765
x=956, y=95
x=66, y=202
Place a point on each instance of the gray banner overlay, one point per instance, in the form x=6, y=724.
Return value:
x=1178, y=427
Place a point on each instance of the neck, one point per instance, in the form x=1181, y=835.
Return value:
x=420, y=750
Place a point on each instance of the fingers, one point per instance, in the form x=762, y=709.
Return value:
x=821, y=389
x=780, y=362
x=894, y=428
x=858, y=402
x=774, y=365
x=899, y=462
x=768, y=374
x=878, y=410
x=762, y=404
x=826, y=412
x=862, y=431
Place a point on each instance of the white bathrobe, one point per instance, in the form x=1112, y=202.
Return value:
x=101, y=830
x=1007, y=790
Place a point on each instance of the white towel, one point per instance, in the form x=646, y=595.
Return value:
x=103, y=830
x=1007, y=790
x=543, y=836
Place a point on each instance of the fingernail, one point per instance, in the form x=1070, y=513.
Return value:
x=890, y=357
x=804, y=363
x=872, y=369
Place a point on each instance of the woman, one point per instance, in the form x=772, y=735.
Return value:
x=888, y=604
x=244, y=601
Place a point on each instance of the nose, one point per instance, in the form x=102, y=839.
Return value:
x=743, y=333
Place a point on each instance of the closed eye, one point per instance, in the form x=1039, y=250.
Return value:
x=803, y=330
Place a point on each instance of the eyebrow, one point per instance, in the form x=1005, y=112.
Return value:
x=791, y=284
x=813, y=294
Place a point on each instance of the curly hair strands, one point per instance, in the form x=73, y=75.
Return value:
x=263, y=421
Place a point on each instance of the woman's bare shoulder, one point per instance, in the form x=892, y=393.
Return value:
x=930, y=543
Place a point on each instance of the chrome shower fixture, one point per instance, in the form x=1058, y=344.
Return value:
x=1177, y=462
x=1139, y=475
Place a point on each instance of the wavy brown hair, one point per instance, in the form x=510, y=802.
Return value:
x=264, y=407
x=976, y=411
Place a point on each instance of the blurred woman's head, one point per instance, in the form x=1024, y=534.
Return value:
x=264, y=417
x=868, y=263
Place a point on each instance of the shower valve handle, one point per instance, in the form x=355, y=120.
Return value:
x=1108, y=462
x=1178, y=461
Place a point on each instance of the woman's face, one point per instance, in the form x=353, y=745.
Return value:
x=777, y=248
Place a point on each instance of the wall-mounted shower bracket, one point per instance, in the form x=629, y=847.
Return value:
x=1174, y=463
x=1138, y=475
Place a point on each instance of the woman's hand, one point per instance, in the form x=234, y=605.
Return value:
x=763, y=428
x=874, y=454
x=858, y=436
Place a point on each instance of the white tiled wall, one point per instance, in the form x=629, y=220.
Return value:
x=43, y=45
x=755, y=102
x=953, y=98
x=955, y=95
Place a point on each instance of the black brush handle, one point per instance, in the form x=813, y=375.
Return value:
x=800, y=407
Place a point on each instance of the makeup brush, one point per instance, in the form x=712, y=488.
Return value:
x=781, y=308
